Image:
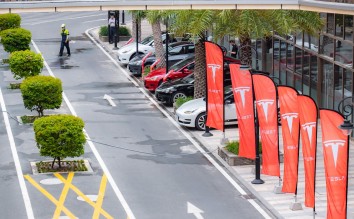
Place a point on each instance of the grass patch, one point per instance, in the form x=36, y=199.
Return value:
x=66, y=166
x=234, y=147
x=181, y=101
x=15, y=85
x=5, y=61
x=29, y=119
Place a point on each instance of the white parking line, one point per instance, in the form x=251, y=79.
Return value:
x=94, y=150
x=20, y=177
x=186, y=134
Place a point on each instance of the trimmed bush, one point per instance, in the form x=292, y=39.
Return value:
x=15, y=39
x=26, y=63
x=41, y=92
x=9, y=21
x=234, y=146
x=103, y=31
x=181, y=101
x=59, y=136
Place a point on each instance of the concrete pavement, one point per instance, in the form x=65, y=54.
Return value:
x=278, y=204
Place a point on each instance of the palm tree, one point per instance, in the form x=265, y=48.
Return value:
x=137, y=16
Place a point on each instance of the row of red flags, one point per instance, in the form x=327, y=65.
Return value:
x=299, y=116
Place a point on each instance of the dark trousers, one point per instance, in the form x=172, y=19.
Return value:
x=66, y=44
x=112, y=33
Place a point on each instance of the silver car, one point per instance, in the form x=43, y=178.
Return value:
x=192, y=113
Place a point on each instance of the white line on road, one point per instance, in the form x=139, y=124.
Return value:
x=20, y=177
x=63, y=19
x=188, y=136
x=94, y=150
x=94, y=20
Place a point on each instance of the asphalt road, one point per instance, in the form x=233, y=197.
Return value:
x=155, y=167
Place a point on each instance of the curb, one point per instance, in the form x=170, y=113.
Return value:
x=267, y=207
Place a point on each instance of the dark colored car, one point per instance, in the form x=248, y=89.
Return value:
x=177, y=52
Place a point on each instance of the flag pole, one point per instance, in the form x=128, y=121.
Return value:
x=207, y=129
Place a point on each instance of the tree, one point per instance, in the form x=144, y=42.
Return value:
x=155, y=17
x=15, y=39
x=137, y=16
x=59, y=136
x=25, y=63
x=41, y=92
x=8, y=21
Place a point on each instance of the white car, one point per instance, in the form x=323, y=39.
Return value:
x=127, y=52
x=192, y=113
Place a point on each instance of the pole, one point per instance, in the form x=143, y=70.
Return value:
x=109, y=28
x=123, y=18
x=207, y=129
x=167, y=39
x=257, y=171
x=137, y=34
x=116, y=28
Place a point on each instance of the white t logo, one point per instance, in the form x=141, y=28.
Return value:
x=265, y=104
x=334, y=144
x=289, y=118
x=242, y=91
x=213, y=69
x=308, y=128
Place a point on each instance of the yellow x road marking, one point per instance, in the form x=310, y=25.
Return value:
x=68, y=185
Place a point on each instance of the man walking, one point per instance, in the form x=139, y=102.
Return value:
x=64, y=40
x=112, y=25
x=234, y=49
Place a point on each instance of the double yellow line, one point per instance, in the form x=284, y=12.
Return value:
x=67, y=186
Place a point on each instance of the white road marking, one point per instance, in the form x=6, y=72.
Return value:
x=20, y=177
x=94, y=150
x=63, y=19
x=50, y=181
x=91, y=197
x=186, y=134
x=94, y=20
x=109, y=99
x=192, y=209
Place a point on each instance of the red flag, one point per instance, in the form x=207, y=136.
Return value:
x=335, y=152
x=215, y=85
x=243, y=95
x=267, y=112
x=308, y=127
x=289, y=115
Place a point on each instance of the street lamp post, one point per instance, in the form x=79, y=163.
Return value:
x=346, y=109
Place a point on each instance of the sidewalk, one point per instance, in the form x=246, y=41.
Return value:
x=278, y=204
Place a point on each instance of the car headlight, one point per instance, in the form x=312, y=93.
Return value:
x=189, y=111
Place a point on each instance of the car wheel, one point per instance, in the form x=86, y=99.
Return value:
x=200, y=122
x=178, y=95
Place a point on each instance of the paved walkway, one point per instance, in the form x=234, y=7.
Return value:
x=277, y=203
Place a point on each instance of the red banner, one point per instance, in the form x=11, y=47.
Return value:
x=267, y=112
x=215, y=85
x=289, y=115
x=335, y=152
x=243, y=95
x=308, y=127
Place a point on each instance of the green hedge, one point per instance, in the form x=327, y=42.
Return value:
x=234, y=146
x=123, y=31
x=181, y=101
x=9, y=21
x=15, y=39
x=26, y=63
x=41, y=92
x=60, y=136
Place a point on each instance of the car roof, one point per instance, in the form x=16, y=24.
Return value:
x=179, y=43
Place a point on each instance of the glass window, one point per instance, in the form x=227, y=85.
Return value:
x=327, y=90
x=339, y=25
x=289, y=78
x=344, y=52
x=348, y=27
x=299, y=38
x=347, y=82
x=298, y=61
x=298, y=82
x=338, y=85
x=289, y=57
x=330, y=23
x=191, y=49
x=306, y=64
x=176, y=50
x=306, y=85
x=327, y=46
x=311, y=42
x=313, y=77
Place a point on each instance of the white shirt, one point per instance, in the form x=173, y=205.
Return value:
x=112, y=22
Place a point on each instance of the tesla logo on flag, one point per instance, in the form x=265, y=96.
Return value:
x=289, y=118
x=265, y=104
x=213, y=67
x=334, y=144
x=308, y=127
x=242, y=91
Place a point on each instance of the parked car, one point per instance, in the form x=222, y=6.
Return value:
x=192, y=113
x=176, y=52
x=178, y=70
x=127, y=52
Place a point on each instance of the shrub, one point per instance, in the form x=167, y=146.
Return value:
x=181, y=101
x=234, y=146
x=60, y=136
x=26, y=63
x=41, y=92
x=123, y=31
x=103, y=31
x=9, y=21
x=15, y=39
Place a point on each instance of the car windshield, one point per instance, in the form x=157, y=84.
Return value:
x=188, y=79
x=181, y=63
x=147, y=40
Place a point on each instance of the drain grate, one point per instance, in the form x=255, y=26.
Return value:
x=248, y=196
